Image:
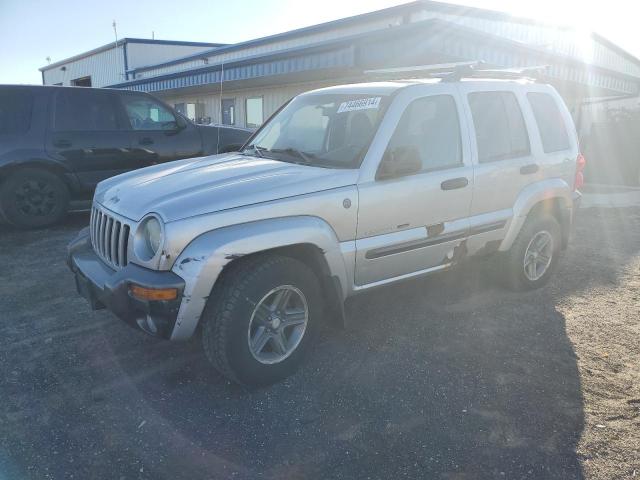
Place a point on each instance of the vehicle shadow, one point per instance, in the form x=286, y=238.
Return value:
x=447, y=377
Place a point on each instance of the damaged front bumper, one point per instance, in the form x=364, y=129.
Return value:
x=104, y=287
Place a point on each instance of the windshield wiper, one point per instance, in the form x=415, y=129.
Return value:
x=306, y=157
x=257, y=149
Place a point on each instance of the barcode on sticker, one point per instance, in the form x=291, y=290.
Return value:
x=360, y=104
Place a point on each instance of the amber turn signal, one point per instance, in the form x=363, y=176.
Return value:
x=143, y=293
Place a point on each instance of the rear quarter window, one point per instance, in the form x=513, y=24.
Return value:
x=79, y=109
x=15, y=111
x=553, y=131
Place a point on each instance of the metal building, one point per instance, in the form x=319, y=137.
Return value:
x=109, y=64
x=257, y=76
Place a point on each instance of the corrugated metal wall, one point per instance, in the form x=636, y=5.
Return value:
x=339, y=58
x=567, y=42
x=105, y=68
x=274, y=46
x=272, y=97
x=144, y=54
x=580, y=46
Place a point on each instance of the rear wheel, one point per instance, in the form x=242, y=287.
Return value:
x=31, y=198
x=260, y=319
x=533, y=256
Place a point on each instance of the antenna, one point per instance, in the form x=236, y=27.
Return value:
x=115, y=32
x=219, y=126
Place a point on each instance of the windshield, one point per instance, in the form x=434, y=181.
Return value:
x=324, y=130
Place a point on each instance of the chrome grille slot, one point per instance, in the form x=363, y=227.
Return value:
x=109, y=237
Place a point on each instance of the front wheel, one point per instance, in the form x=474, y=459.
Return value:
x=533, y=256
x=260, y=319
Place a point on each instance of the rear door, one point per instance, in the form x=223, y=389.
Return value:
x=504, y=160
x=20, y=137
x=86, y=133
x=157, y=134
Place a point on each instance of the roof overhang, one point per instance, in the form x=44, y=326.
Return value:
x=419, y=43
x=125, y=40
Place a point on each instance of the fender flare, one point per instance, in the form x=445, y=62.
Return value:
x=530, y=196
x=33, y=158
x=203, y=260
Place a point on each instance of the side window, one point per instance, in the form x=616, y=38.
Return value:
x=431, y=126
x=553, y=131
x=500, y=129
x=84, y=110
x=15, y=111
x=145, y=113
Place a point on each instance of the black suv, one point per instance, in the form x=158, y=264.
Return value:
x=57, y=143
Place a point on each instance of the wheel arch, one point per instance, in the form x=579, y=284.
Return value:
x=552, y=197
x=42, y=164
x=306, y=238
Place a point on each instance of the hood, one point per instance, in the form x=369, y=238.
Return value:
x=187, y=188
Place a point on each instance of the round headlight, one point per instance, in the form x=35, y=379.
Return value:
x=152, y=233
x=148, y=238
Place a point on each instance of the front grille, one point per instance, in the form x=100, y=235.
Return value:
x=109, y=237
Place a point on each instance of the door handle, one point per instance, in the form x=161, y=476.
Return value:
x=454, y=183
x=529, y=169
x=62, y=143
x=146, y=141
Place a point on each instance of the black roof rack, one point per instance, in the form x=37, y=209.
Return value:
x=453, y=72
x=476, y=70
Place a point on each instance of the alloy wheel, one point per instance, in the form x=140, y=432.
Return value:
x=277, y=324
x=538, y=255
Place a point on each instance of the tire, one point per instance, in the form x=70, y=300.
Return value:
x=230, y=318
x=33, y=198
x=533, y=234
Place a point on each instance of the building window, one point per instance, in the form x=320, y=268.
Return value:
x=254, y=113
x=81, y=82
x=228, y=111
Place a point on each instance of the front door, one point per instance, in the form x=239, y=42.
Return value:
x=87, y=133
x=157, y=135
x=414, y=223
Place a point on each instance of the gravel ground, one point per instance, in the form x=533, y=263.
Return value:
x=448, y=377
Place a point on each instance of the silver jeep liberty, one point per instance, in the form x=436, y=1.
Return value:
x=342, y=190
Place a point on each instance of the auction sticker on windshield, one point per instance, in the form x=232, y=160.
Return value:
x=360, y=104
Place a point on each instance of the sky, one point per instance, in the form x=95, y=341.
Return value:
x=32, y=30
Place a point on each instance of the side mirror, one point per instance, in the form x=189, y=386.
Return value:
x=181, y=123
x=173, y=128
x=399, y=162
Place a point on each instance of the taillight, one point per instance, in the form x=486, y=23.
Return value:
x=580, y=164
